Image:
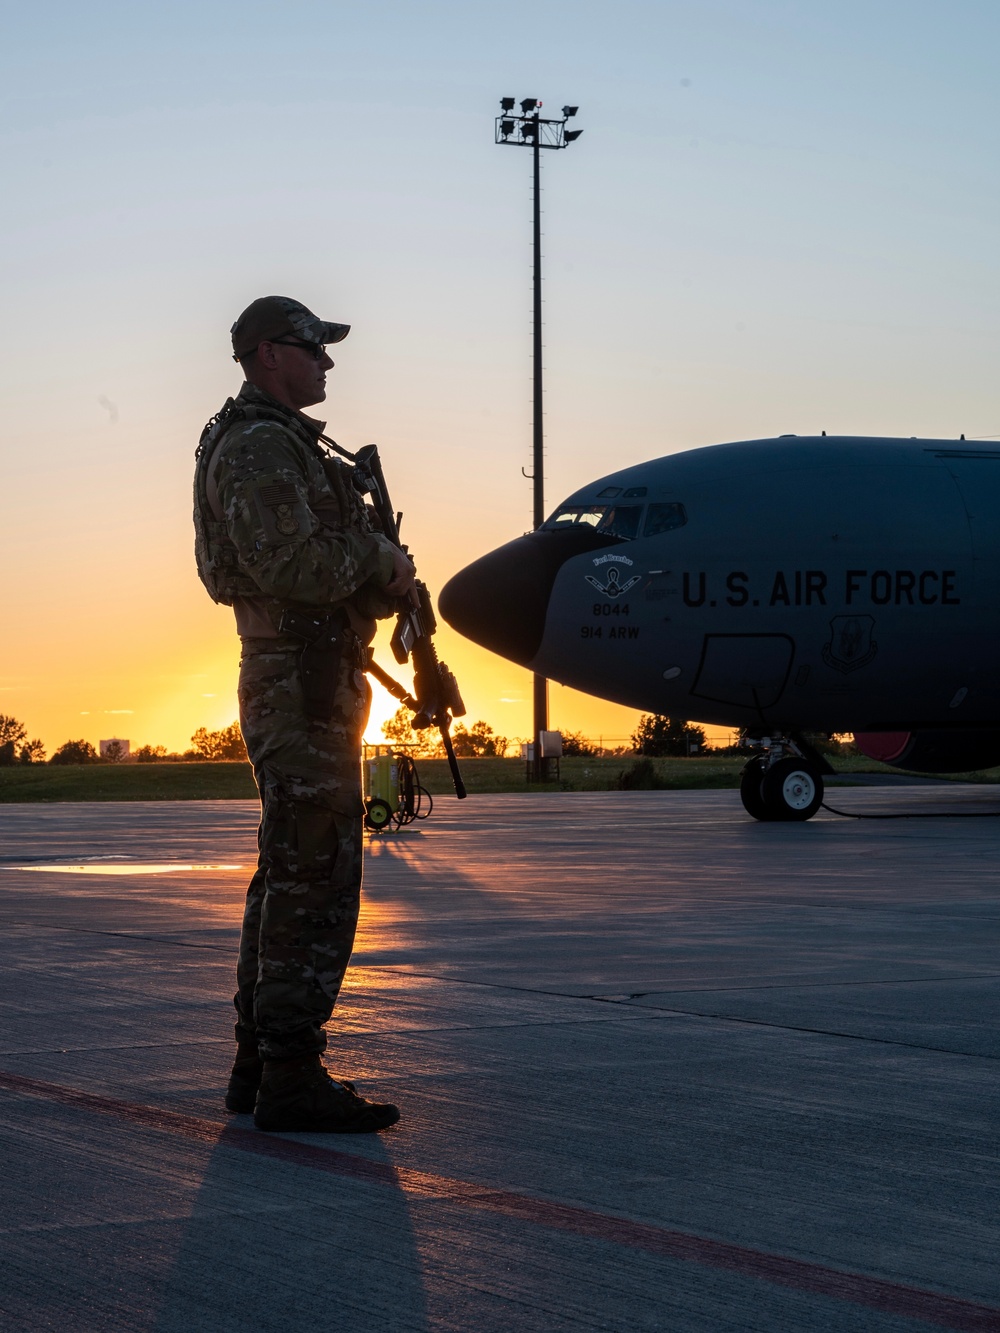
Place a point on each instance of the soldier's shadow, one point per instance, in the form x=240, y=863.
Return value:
x=295, y=1232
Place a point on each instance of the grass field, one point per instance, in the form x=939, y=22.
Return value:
x=127, y=782
x=234, y=781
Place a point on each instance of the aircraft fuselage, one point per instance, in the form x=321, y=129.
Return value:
x=805, y=583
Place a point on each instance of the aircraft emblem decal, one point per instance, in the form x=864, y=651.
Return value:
x=614, y=586
x=851, y=645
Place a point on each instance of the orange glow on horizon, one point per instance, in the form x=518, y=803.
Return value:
x=150, y=695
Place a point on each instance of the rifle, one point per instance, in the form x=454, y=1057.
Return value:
x=437, y=695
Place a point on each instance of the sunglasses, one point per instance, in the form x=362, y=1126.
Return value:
x=315, y=350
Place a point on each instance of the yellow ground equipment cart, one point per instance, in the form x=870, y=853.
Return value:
x=393, y=794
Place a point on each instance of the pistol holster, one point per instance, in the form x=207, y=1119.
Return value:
x=323, y=642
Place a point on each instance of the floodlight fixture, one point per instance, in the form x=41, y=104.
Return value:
x=570, y=135
x=570, y=111
x=506, y=104
x=529, y=104
x=506, y=128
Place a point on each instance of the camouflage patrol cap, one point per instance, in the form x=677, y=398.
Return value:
x=271, y=317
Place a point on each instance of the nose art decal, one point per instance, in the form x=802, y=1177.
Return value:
x=618, y=567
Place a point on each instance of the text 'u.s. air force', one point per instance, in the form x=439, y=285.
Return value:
x=815, y=587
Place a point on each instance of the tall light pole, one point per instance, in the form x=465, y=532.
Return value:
x=530, y=130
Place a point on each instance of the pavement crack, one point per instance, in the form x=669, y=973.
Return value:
x=623, y=1002
x=14, y=1054
x=797, y=985
x=496, y=1027
x=821, y=1032
x=128, y=935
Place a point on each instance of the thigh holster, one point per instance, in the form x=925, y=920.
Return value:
x=324, y=641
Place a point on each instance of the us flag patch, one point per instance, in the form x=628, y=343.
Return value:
x=278, y=493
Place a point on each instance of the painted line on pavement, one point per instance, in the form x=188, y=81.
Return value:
x=781, y=1270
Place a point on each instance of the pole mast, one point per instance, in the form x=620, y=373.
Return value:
x=523, y=130
x=540, y=686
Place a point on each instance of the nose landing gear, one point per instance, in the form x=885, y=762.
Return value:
x=783, y=781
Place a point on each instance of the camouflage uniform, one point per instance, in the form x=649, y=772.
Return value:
x=280, y=527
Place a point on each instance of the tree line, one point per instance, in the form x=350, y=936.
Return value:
x=15, y=748
x=655, y=736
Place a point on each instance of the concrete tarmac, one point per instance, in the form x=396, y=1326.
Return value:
x=660, y=1068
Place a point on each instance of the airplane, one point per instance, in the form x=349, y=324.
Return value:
x=803, y=584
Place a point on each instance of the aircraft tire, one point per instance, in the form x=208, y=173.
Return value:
x=791, y=790
x=750, y=793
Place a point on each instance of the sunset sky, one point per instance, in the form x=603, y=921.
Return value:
x=781, y=217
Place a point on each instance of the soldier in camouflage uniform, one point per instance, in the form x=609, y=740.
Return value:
x=283, y=536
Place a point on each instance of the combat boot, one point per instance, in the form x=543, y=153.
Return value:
x=299, y=1097
x=244, y=1080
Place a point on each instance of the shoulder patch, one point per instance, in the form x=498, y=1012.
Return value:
x=278, y=493
x=282, y=509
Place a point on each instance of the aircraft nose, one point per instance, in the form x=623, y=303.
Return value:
x=500, y=601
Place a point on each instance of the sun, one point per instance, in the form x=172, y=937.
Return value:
x=383, y=707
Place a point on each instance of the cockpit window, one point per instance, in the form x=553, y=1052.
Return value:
x=663, y=517
x=571, y=515
x=622, y=521
x=616, y=520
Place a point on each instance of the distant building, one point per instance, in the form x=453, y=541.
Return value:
x=121, y=750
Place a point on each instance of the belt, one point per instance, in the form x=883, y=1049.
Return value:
x=277, y=643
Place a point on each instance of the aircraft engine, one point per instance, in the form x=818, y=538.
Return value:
x=932, y=751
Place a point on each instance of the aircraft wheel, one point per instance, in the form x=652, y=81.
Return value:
x=750, y=781
x=791, y=790
x=377, y=814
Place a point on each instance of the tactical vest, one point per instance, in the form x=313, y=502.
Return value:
x=214, y=551
x=216, y=554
